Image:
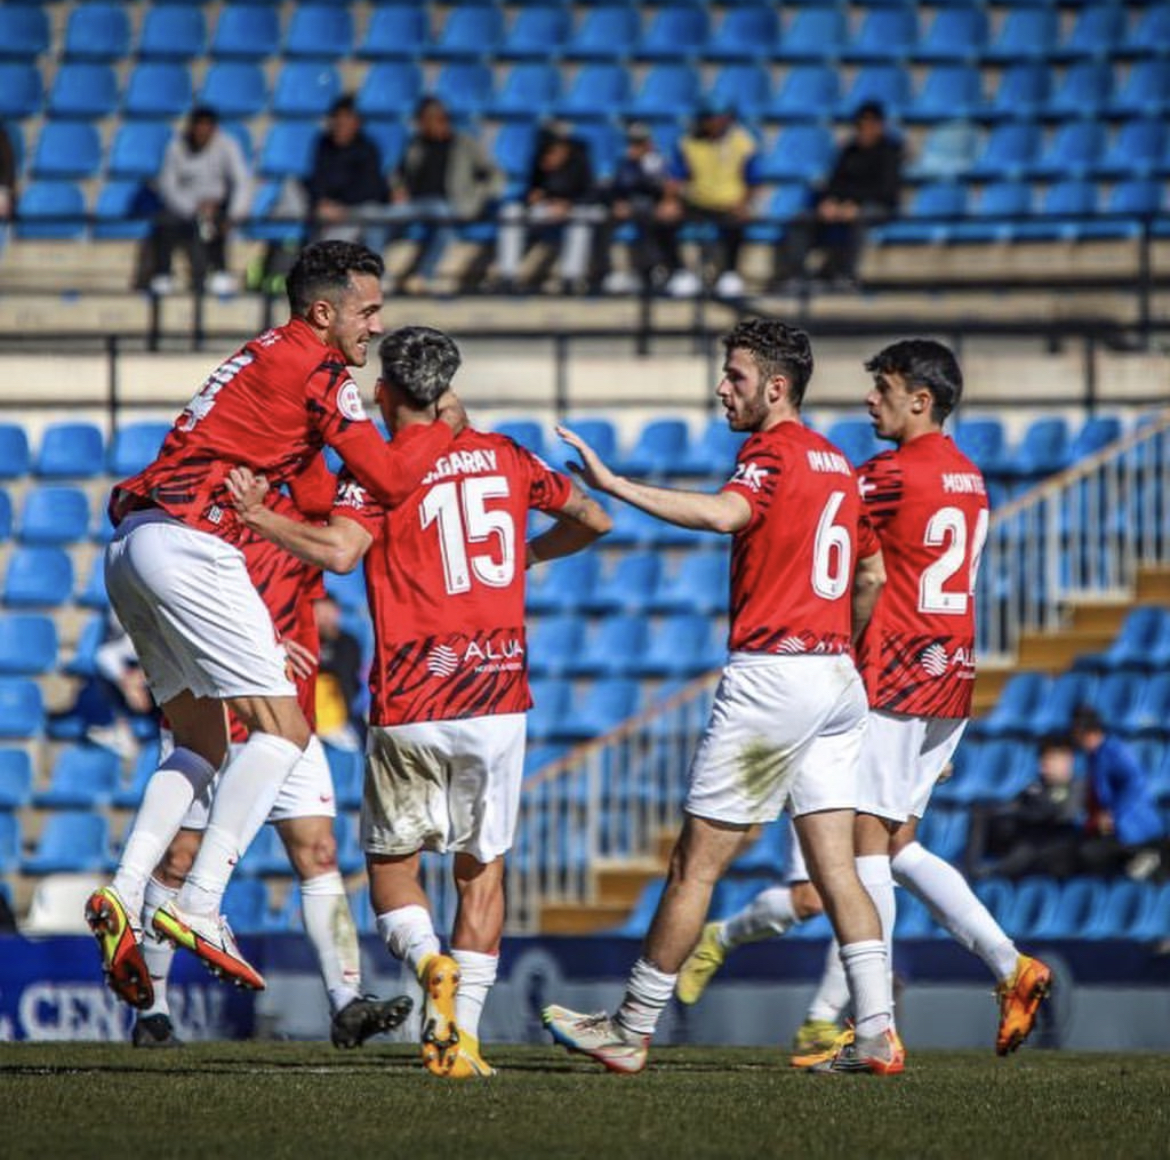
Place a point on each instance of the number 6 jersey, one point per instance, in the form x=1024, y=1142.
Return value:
x=445, y=580
x=928, y=503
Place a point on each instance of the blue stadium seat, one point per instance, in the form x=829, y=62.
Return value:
x=1135, y=150
x=38, y=575
x=808, y=93
x=1018, y=703
x=71, y=842
x=985, y=442
x=604, y=143
x=119, y=211
x=887, y=84
x=28, y=644
x=553, y=643
x=16, y=780
x=528, y=434
x=465, y=88
x=1154, y=923
x=288, y=149
x=665, y=90
x=638, y=922
x=713, y=453
x=529, y=92
x=885, y=34
x=608, y=703
x=768, y=854
x=594, y=430
x=563, y=585
x=1026, y=32
x=800, y=153
x=611, y=648
x=54, y=515
x=605, y=33
x=1072, y=152
x=1153, y=711
x=71, y=449
x=598, y=90
x=659, y=445
x=999, y=771
x=955, y=34
x=5, y=515
x=1067, y=692
x=681, y=646
x=24, y=32
x=245, y=903
x=129, y=794
x=83, y=90
x=1150, y=33
x=67, y=149
x=1083, y=91
x=265, y=856
x=350, y=857
x=744, y=88
x=1065, y=208
x=246, y=32
x=83, y=664
x=1021, y=93
x=1008, y=153
x=855, y=439
x=938, y=200
x=674, y=33
x=1119, y=698
x=627, y=586
x=138, y=149
x=319, y=32
x=1096, y=433
x=698, y=585
x=949, y=92
x=913, y=921
x=1135, y=203
x=97, y=32
x=1033, y=907
x=21, y=91
x=391, y=89
x=996, y=895
x=469, y=33
x=394, y=32
x=158, y=89
x=15, y=459
x=305, y=89
x=1079, y=901
x=1044, y=449
x=347, y=770
x=234, y=88
x=83, y=776
x=1119, y=911
x=537, y=33
x=172, y=32
x=135, y=445
x=348, y=590
x=1097, y=30
x=10, y=843
x=744, y=34
x=814, y=34
x=551, y=699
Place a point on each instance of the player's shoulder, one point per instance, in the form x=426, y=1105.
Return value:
x=881, y=464
x=815, y=452
x=940, y=461
x=507, y=451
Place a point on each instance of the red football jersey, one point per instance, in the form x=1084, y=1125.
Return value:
x=445, y=580
x=288, y=587
x=792, y=565
x=272, y=407
x=928, y=504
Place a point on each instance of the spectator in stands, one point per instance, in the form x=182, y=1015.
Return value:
x=339, y=680
x=444, y=175
x=560, y=206
x=1040, y=831
x=346, y=189
x=863, y=188
x=205, y=187
x=637, y=197
x=713, y=180
x=1124, y=832
x=7, y=184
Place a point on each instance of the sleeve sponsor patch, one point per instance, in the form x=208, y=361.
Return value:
x=349, y=401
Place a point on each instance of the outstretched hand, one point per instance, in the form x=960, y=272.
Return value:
x=451, y=411
x=592, y=470
x=247, y=490
x=301, y=659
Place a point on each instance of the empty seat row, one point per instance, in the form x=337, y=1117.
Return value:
x=77, y=450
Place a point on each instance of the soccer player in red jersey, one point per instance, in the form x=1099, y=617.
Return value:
x=449, y=683
x=203, y=635
x=789, y=715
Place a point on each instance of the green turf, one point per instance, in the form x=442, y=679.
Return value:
x=296, y=1100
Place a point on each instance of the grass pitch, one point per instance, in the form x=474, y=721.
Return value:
x=300, y=1100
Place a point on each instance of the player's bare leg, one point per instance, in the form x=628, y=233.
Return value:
x=114, y=914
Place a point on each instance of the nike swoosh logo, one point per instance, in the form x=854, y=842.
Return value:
x=325, y=799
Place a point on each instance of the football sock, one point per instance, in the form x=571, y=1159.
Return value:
x=955, y=906
x=333, y=935
x=867, y=969
x=832, y=996
x=247, y=790
x=409, y=934
x=157, y=953
x=874, y=873
x=477, y=974
x=182, y=776
x=769, y=915
x=648, y=991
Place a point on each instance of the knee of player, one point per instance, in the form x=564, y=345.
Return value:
x=314, y=856
x=176, y=863
x=806, y=901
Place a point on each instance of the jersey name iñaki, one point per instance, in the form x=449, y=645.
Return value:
x=445, y=580
x=792, y=565
x=272, y=407
x=928, y=505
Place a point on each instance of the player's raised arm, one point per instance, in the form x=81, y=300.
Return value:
x=579, y=522
x=725, y=512
x=337, y=546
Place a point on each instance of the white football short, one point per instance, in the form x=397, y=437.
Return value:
x=450, y=785
x=901, y=762
x=195, y=618
x=306, y=791
x=782, y=728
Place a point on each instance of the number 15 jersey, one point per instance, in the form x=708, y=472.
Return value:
x=445, y=580
x=928, y=504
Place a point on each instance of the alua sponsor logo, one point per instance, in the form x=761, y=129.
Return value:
x=936, y=661
x=444, y=661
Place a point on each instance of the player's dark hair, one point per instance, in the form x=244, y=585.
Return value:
x=323, y=270
x=1086, y=718
x=420, y=362
x=923, y=363
x=778, y=350
x=1054, y=742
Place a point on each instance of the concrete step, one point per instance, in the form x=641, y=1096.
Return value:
x=1103, y=616
x=622, y=882
x=570, y=920
x=1056, y=651
x=1153, y=585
